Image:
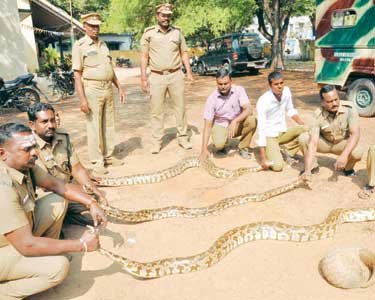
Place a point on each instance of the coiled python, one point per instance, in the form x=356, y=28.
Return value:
x=239, y=236
x=177, y=169
x=147, y=215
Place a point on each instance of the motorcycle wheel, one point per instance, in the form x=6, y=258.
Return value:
x=25, y=98
x=55, y=93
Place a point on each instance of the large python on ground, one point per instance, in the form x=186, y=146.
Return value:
x=177, y=169
x=147, y=215
x=239, y=236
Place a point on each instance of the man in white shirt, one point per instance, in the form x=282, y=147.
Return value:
x=273, y=132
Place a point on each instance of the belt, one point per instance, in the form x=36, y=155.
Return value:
x=165, y=72
x=101, y=83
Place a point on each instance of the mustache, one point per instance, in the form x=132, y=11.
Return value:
x=33, y=159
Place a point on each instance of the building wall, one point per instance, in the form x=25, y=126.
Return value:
x=12, y=58
x=122, y=41
x=30, y=51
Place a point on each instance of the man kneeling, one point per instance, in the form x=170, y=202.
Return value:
x=227, y=115
x=29, y=229
x=335, y=129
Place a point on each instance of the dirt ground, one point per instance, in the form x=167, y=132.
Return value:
x=267, y=270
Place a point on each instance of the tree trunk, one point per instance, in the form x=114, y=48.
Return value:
x=279, y=22
x=312, y=20
x=277, y=42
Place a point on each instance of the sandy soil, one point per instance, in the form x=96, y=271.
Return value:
x=268, y=270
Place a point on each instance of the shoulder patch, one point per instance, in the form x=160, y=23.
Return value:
x=149, y=28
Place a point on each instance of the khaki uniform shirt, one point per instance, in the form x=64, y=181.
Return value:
x=17, y=198
x=335, y=128
x=92, y=59
x=164, y=48
x=57, y=157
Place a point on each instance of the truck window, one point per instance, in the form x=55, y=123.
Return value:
x=235, y=44
x=344, y=18
x=245, y=40
x=227, y=44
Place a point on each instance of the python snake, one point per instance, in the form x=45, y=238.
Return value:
x=177, y=169
x=147, y=215
x=239, y=236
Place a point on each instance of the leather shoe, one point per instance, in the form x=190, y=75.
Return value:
x=349, y=173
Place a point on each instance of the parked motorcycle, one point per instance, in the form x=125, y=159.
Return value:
x=62, y=85
x=21, y=92
x=123, y=62
x=193, y=64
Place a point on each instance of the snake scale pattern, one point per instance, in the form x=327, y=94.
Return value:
x=239, y=236
x=177, y=169
x=147, y=215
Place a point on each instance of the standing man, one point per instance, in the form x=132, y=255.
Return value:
x=30, y=252
x=94, y=75
x=273, y=132
x=57, y=156
x=227, y=115
x=335, y=129
x=163, y=50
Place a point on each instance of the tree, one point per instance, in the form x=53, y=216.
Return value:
x=83, y=6
x=277, y=13
x=199, y=20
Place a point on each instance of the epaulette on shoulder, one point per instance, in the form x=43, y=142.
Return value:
x=346, y=103
x=176, y=27
x=61, y=130
x=149, y=28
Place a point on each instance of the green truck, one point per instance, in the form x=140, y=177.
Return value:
x=345, y=49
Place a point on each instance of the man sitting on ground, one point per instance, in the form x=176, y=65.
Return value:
x=335, y=129
x=30, y=260
x=227, y=115
x=57, y=156
x=273, y=132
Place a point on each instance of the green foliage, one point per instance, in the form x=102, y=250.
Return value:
x=199, y=20
x=51, y=55
x=83, y=6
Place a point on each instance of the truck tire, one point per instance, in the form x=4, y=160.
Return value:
x=201, y=69
x=227, y=66
x=362, y=93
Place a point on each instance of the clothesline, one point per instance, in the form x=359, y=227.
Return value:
x=44, y=31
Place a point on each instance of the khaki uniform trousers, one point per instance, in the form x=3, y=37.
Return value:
x=100, y=122
x=245, y=129
x=159, y=86
x=290, y=140
x=22, y=276
x=327, y=147
x=371, y=166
